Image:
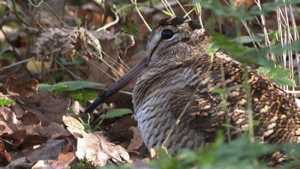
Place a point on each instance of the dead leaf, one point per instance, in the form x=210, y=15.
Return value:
x=93, y=147
x=24, y=139
x=249, y=3
x=8, y=121
x=137, y=140
x=73, y=126
x=89, y=13
x=30, y=118
x=41, y=164
x=37, y=66
x=49, y=151
x=76, y=107
x=20, y=163
x=31, y=125
x=32, y=140
x=64, y=160
x=56, y=154
x=4, y=156
x=119, y=130
x=47, y=108
x=53, y=130
x=24, y=89
x=18, y=135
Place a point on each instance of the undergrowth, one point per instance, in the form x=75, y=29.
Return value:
x=272, y=51
x=237, y=154
x=268, y=52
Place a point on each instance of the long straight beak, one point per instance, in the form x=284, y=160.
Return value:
x=118, y=85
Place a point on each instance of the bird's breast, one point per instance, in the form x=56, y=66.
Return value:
x=153, y=96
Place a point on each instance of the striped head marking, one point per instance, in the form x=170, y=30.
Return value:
x=173, y=34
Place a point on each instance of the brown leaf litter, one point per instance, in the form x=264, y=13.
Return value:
x=33, y=134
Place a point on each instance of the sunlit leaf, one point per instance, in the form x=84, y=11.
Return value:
x=6, y=102
x=113, y=113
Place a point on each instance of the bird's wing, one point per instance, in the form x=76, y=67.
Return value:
x=215, y=97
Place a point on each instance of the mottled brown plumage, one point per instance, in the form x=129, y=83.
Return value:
x=179, y=83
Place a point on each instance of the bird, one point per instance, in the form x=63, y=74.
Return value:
x=175, y=99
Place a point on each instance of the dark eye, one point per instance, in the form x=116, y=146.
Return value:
x=167, y=34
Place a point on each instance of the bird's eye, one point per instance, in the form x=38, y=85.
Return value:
x=167, y=34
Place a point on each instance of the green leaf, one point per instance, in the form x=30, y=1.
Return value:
x=236, y=50
x=5, y=102
x=279, y=49
x=263, y=70
x=281, y=77
x=83, y=95
x=8, y=54
x=278, y=75
x=233, y=47
x=168, y=13
x=78, y=22
x=212, y=49
x=248, y=39
x=113, y=113
x=60, y=88
x=69, y=86
x=219, y=91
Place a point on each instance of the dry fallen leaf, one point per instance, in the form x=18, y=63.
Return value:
x=30, y=118
x=33, y=127
x=56, y=154
x=96, y=149
x=20, y=163
x=137, y=141
x=49, y=151
x=24, y=89
x=47, y=108
x=93, y=147
x=4, y=156
x=8, y=121
x=249, y=3
x=64, y=160
x=37, y=66
x=89, y=13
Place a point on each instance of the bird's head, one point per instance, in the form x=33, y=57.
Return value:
x=175, y=40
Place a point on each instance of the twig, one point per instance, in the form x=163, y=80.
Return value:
x=56, y=16
x=141, y=16
x=17, y=14
x=67, y=70
x=296, y=37
x=186, y=14
x=38, y=5
x=249, y=106
x=6, y=19
x=294, y=92
x=15, y=64
x=109, y=24
x=8, y=41
x=103, y=71
x=168, y=7
x=265, y=31
x=199, y=10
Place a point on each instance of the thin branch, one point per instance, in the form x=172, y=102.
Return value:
x=141, y=16
x=15, y=64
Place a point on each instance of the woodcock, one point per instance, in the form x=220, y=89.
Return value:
x=174, y=98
